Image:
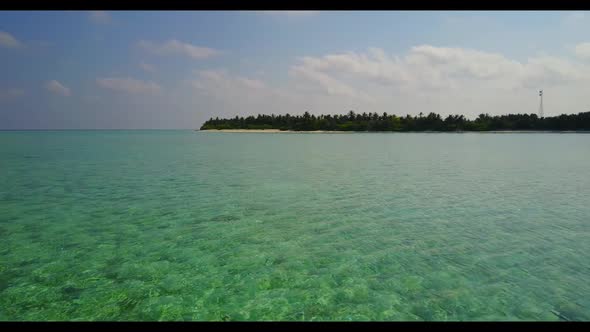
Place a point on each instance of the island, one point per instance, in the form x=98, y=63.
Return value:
x=374, y=122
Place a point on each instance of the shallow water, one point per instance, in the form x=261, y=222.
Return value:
x=182, y=225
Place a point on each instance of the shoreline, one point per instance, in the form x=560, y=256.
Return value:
x=273, y=131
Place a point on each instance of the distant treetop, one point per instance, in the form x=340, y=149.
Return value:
x=352, y=121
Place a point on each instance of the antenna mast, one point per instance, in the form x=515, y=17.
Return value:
x=541, y=104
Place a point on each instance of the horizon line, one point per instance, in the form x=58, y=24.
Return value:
x=91, y=129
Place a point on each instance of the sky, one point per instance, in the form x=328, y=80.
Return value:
x=176, y=69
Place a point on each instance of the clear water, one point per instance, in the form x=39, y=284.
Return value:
x=182, y=225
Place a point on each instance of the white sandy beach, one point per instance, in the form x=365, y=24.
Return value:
x=275, y=131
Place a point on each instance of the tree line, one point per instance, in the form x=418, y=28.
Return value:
x=384, y=122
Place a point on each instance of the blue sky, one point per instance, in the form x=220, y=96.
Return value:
x=134, y=69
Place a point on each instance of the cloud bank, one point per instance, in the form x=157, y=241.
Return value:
x=57, y=88
x=100, y=16
x=147, y=67
x=425, y=78
x=8, y=41
x=176, y=47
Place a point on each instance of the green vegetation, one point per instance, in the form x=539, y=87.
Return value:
x=384, y=122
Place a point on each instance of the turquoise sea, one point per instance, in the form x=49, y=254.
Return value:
x=185, y=225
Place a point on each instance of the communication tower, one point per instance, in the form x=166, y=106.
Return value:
x=541, y=104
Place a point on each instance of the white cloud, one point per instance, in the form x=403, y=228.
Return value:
x=147, y=67
x=574, y=18
x=220, y=84
x=582, y=51
x=447, y=80
x=427, y=67
x=8, y=41
x=58, y=88
x=552, y=71
x=9, y=94
x=375, y=66
x=425, y=78
x=129, y=85
x=231, y=94
x=100, y=16
x=461, y=62
x=175, y=47
x=331, y=85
